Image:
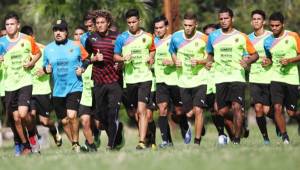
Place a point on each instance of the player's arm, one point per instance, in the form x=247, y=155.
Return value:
x=47, y=68
x=286, y=61
x=118, y=51
x=85, y=60
x=35, y=54
x=173, y=52
x=210, y=53
x=252, y=57
x=152, y=52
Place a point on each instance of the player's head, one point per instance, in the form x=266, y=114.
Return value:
x=12, y=23
x=2, y=32
x=225, y=18
x=89, y=21
x=258, y=19
x=26, y=29
x=276, y=22
x=133, y=20
x=209, y=28
x=60, y=30
x=160, y=26
x=103, y=21
x=189, y=23
x=79, y=30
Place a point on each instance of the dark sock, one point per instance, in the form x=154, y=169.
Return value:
x=261, y=122
x=285, y=136
x=31, y=132
x=169, y=134
x=220, y=124
x=163, y=126
x=197, y=141
x=75, y=143
x=183, y=122
x=152, y=130
x=53, y=130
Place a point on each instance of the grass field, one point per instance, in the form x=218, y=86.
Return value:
x=250, y=154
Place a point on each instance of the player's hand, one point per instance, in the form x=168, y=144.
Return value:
x=79, y=71
x=243, y=62
x=208, y=65
x=266, y=62
x=284, y=61
x=167, y=62
x=193, y=62
x=178, y=63
x=40, y=72
x=127, y=57
x=98, y=56
x=150, y=61
x=28, y=65
x=49, y=68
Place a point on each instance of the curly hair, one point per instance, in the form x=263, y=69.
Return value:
x=104, y=14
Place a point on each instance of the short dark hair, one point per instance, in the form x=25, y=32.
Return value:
x=132, y=13
x=159, y=19
x=90, y=15
x=277, y=16
x=259, y=12
x=226, y=10
x=190, y=15
x=81, y=28
x=11, y=15
x=215, y=26
x=26, y=29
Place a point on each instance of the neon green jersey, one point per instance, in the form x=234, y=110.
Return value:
x=164, y=74
x=258, y=73
x=88, y=84
x=228, y=50
x=286, y=46
x=138, y=46
x=187, y=49
x=40, y=85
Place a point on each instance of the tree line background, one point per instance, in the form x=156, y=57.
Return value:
x=42, y=13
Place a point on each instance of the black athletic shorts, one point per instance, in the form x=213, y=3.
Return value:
x=166, y=93
x=138, y=92
x=210, y=100
x=229, y=92
x=260, y=93
x=62, y=104
x=191, y=97
x=20, y=97
x=42, y=104
x=285, y=94
x=152, y=103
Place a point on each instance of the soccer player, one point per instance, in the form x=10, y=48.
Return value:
x=19, y=53
x=3, y=32
x=63, y=59
x=187, y=48
x=89, y=23
x=284, y=48
x=260, y=73
x=79, y=31
x=107, y=90
x=41, y=94
x=227, y=47
x=136, y=49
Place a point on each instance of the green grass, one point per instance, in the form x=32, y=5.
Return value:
x=250, y=154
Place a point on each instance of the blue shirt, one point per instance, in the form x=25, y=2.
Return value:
x=84, y=37
x=64, y=59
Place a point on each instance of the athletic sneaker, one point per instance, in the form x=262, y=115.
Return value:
x=18, y=149
x=188, y=135
x=153, y=147
x=35, y=146
x=286, y=139
x=165, y=144
x=222, y=139
x=88, y=147
x=58, y=140
x=76, y=147
x=267, y=142
x=120, y=141
x=141, y=146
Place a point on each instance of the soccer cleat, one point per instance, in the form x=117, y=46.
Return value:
x=35, y=146
x=267, y=142
x=236, y=141
x=18, y=149
x=76, y=147
x=58, y=140
x=88, y=147
x=286, y=141
x=188, y=135
x=153, y=147
x=222, y=140
x=165, y=144
x=141, y=146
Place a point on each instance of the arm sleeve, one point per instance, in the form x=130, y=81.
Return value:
x=118, y=45
x=172, y=47
x=209, y=47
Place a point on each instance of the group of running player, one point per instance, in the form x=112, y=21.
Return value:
x=180, y=74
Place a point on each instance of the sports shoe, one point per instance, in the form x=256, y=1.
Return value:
x=188, y=135
x=286, y=141
x=120, y=136
x=153, y=147
x=18, y=149
x=76, y=147
x=26, y=151
x=88, y=147
x=165, y=144
x=35, y=146
x=222, y=140
x=58, y=140
x=141, y=146
x=267, y=142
